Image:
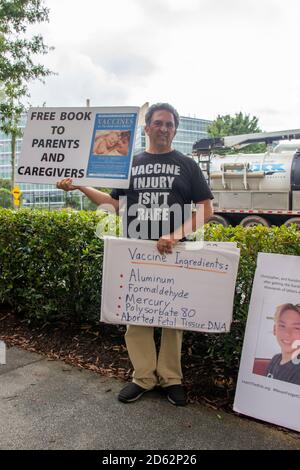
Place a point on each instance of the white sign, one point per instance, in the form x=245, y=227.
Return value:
x=2, y=352
x=190, y=289
x=93, y=146
x=268, y=385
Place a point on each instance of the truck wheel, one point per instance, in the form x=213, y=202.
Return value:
x=293, y=220
x=218, y=219
x=253, y=220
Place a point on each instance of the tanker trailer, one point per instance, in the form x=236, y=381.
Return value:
x=252, y=189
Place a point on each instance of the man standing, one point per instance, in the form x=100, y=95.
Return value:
x=163, y=185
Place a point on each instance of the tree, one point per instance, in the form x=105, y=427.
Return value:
x=5, y=193
x=17, y=66
x=234, y=125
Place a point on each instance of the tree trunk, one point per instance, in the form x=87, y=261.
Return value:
x=13, y=163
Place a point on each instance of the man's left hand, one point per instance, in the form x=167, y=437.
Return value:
x=166, y=244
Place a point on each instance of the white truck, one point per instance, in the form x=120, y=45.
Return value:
x=252, y=189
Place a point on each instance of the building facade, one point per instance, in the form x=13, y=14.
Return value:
x=48, y=196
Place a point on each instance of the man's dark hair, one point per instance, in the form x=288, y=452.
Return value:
x=161, y=107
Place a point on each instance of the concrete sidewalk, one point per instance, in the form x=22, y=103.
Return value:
x=50, y=405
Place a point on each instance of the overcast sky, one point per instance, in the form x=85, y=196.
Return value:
x=206, y=57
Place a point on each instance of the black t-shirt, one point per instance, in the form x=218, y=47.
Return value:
x=162, y=188
x=287, y=372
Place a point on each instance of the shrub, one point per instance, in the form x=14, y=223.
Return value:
x=50, y=264
x=51, y=268
x=251, y=241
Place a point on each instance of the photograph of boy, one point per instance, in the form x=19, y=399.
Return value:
x=286, y=365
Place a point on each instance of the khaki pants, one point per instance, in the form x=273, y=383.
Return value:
x=150, y=370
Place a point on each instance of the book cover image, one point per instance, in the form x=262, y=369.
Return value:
x=112, y=145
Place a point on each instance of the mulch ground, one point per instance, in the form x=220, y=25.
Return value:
x=101, y=349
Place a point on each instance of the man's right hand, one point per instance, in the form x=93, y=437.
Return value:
x=66, y=185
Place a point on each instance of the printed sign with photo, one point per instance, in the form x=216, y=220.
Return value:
x=93, y=146
x=269, y=377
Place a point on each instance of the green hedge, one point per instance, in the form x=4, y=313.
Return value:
x=50, y=268
x=50, y=264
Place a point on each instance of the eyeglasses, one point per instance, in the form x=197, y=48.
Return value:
x=169, y=125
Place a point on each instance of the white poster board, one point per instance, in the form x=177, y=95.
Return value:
x=276, y=288
x=190, y=289
x=93, y=146
x=2, y=353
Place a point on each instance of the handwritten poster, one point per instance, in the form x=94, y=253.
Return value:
x=268, y=385
x=188, y=289
x=93, y=146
